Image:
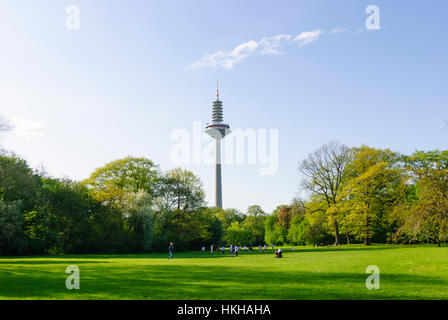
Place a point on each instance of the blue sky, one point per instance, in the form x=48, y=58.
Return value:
x=121, y=84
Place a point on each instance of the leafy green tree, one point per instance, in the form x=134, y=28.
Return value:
x=256, y=226
x=324, y=175
x=215, y=229
x=298, y=231
x=420, y=161
x=269, y=228
x=18, y=181
x=373, y=189
x=69, y=207
x=275, y=233
x=254, y=221
x=427, y=218
x=256, y=211
x=187, y=231
x=227, y=216
x=108, y=233
x=113, y=182
x=182, y=190
x=39, y=230
x=238, y=234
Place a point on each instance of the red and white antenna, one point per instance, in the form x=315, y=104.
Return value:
x=217, y=90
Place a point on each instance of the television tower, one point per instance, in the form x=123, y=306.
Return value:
x=217, y=130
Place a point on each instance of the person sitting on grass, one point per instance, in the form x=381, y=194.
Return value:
x=278, y=253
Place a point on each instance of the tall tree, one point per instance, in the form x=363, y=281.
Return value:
x=373, y=188
x=113, y=182
x=324, y=174
x=424, y=215
x=182, y=190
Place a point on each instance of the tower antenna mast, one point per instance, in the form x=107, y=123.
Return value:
x=217, y=90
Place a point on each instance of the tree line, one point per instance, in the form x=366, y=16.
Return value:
x=364, y=194
x=349, y=195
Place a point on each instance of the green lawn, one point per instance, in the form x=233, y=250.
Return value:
x=407, y=272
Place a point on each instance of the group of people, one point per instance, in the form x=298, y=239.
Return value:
x=234, y=250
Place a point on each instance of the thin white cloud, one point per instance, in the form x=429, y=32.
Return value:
x=29, y=129
x=228, y=59
x=273, y=45
x=307, y=37
x=267, y=46
x=338, y=30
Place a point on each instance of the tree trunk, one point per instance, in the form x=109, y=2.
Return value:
x=348, y=237
x=336, y=233
x=367, y=240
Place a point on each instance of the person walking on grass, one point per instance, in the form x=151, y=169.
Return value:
x=236, y=250
x=223, y=249
x=203, y=249
x=171, y=250
x=211, y=249
x=259, y=248
x=265, y=248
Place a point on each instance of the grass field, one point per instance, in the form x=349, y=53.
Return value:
x=407, y=272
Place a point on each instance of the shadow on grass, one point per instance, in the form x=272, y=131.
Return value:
x=215, y=282
x=339, y=249
x=47, y=261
